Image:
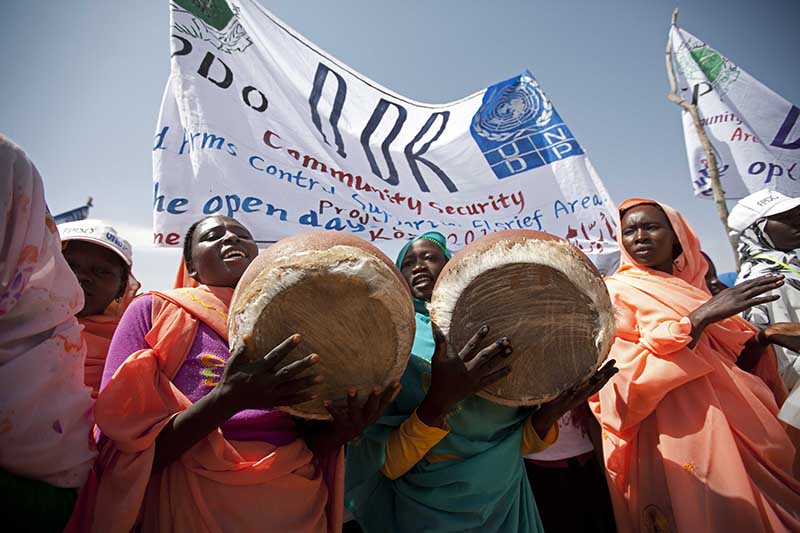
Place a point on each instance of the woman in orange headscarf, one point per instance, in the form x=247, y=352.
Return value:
x=690, y=434
x=191, y=439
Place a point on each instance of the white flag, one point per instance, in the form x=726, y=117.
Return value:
x=260, y=124
x=755, y=133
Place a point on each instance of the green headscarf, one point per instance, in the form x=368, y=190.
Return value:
x=433, y=236
x=439, y=240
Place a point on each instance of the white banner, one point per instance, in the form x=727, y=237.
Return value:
x=755, y=133
x=259, y=124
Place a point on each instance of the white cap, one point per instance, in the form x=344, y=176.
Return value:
x=97, y=232
x=758, y=205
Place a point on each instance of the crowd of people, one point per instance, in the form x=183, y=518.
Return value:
x=123, y=411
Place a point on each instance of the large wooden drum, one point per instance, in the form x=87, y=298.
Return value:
x=346, y=298
x=542, y=293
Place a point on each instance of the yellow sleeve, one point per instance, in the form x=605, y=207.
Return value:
x=408, y=444
x=531, y=443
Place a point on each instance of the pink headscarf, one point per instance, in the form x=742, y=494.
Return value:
x=45, y=407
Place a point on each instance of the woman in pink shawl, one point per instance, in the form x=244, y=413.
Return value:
x=690, y=434
x=45, y=446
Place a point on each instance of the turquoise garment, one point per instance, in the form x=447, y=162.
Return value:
x=486, y=491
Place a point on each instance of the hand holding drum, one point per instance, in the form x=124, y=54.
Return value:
x=543, y=295
x=351, y=307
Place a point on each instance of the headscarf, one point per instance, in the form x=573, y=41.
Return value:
x=434, y=236
x=45, y=407
x=690, y=266
x=439, y=240
x=182, y=278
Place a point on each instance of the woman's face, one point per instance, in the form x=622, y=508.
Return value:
x=222, y=249
x=784, y=230
x=100, y=272
x=648, y=237
x=714, y=285
x=421, y=266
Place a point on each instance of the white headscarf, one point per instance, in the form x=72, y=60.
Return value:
x=45, y=407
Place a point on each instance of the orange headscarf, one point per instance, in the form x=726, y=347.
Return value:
x=691, y=441
x=182, y=278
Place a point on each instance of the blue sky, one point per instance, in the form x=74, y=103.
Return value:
x=83, y=81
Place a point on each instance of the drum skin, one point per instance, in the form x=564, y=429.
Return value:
x=344, y=296
x=542, y=293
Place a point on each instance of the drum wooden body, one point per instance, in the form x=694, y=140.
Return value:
x=344, y=296
x=542, y=293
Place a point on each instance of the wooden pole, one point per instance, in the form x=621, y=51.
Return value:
x=713, y=167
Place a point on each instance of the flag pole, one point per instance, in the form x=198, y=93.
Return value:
x=713, y=168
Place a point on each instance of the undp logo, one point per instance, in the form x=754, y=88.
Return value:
x=517, y=128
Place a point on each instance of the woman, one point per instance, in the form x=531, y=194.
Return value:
x=102, y=262
x=691, y=438
x=441, y=458
x=45, y=446
x=202, y=449
x=713, y=283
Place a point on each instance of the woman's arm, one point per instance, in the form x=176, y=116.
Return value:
x=784, y=334
x=245, y=384
x=548, y=414
x=350, y=418
x=408, y=445
x=751, y=353
x=190, y=426
x=455, y=377
x=732, y=302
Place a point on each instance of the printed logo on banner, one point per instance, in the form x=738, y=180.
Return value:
x=213, y=22
x=517, y=128
x=700, y=62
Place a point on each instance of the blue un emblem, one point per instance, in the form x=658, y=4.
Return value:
x=517, y=128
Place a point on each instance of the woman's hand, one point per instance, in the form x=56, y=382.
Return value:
x=549, y=413
x=785, y=334
x=454, y=378
x=263, y=383
x=352, y=416
x=260, y=384
x=733, y=301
